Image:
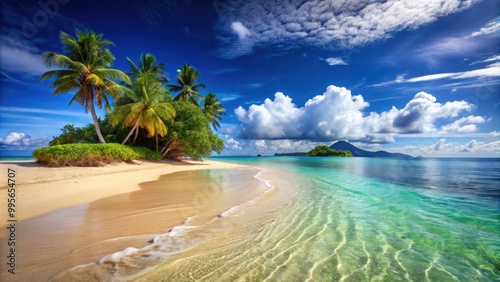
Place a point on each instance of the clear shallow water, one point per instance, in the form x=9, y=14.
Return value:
x=361, y=219
x=331, y=219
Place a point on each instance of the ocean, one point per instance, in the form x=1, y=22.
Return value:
x=16, y=158
x=358, y=219
x=307, y=219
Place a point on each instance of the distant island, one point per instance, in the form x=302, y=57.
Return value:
x=325, y=151
x=355, y=151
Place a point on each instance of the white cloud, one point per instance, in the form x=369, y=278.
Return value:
x=477, y=146
x=20, y=141
x=19, y=60
x=224, y=97
x=494, y=58
x=335, y=61
x=491, y=27
x=337, y=114
x=326, y=24
x=464, y=125
x=439, y=146
x=445, y=47
x=443, y=148
x=42, y=111
x=240, y=30
x=271, y=120
x=492, y=70
x=232, y=144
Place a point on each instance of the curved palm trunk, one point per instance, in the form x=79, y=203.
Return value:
x=96, y=121
x=136, y=125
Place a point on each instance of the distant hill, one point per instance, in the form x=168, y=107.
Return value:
x=357, y=152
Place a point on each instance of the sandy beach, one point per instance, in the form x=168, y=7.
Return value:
x=42, y=189
x=74, y=216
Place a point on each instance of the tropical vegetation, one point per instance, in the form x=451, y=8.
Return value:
x=187, y=87
x=325, y=151
x=86, y=70
x=91, y=154
x=141, y=111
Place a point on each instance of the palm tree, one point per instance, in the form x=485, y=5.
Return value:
x=144, y=105
x=86, y=69
x=147, y=63
x=188, y=89
x=213, y=110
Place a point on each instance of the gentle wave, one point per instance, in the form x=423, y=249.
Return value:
x=234, y=209
x=177, y=240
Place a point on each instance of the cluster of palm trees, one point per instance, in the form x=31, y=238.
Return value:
x=141, y=98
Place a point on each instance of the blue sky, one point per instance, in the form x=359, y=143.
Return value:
x=419, y=77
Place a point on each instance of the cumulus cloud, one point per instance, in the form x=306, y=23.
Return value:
x=232, y=144
x=337, y=114
x=477, y=146
x=439, y=146
x=326, y=24
x=464, y=125
x=20, y=141
x=336, y=61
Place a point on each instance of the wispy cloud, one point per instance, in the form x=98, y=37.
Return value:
x=225, y=70
x=253, y=85
x=17, y=60
x=326, y=24
x=337, y=61
x=42, y=111
x=490, y=71
x=494, y=58
x=386, y=98
x=225, y=97
x=491, y=27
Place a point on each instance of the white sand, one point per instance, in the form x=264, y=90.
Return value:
x=41, y=189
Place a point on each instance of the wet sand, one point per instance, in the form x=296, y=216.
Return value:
x=54, y=240
x=42, y=189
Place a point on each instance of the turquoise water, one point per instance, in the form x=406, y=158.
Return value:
x=362, y=219
x=329, y=219
x=21, y=158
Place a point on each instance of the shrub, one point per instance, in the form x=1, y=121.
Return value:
x=91, y=154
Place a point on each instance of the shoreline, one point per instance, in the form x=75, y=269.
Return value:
x=41, y=189
x=75, y=216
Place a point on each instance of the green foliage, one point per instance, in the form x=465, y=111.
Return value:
x=84, y=71
x=187, y=87
x=91, y=154
x=71, y=134
x=192, y=129
x=213, y=109
x=325, y=151
x=143, y=107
